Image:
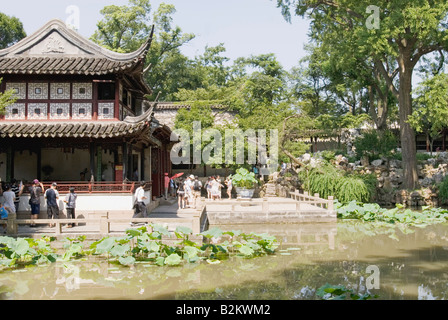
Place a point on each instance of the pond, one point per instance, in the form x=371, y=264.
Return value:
x=409, y=265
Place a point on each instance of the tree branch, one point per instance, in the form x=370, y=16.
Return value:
x=388, y=77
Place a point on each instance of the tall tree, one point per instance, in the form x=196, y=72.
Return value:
x=401, y=30
x=11, y=31
x=125, y=28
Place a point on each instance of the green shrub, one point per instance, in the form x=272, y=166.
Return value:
x=327, y=180
x=423, y=156
x=443, y=190
x=353, y=188
x=375, y=144
x=328, y=155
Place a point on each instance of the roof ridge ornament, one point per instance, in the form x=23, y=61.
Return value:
x=53, y=46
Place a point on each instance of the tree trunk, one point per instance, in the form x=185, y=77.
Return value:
x=407, y=134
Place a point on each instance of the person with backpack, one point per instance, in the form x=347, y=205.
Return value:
x=197, y=187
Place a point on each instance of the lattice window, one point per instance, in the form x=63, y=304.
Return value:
x=38, y=91
x=37, y=111
x=60, y=111
x=82, y=111
x=82, y=91
x=15, y=111
x=19, y=89
x=60, y=91
x=106, y=110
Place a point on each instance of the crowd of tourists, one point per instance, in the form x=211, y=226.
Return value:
x=11, y=193
x=189, y=190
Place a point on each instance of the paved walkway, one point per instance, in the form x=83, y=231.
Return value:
x=168, y=214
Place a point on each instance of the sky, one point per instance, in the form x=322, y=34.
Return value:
x=245, y=27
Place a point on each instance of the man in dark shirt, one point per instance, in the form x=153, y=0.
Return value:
x=52, y=205
x=35, y=191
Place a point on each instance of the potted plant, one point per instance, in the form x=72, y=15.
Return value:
x=244, y=182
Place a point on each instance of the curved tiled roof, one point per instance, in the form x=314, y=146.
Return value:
x=98, y=129
x=56, y=49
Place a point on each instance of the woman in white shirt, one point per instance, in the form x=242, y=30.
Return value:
x=140, y=198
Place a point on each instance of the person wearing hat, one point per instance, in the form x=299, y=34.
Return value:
x=52, y=196
x=35, y=192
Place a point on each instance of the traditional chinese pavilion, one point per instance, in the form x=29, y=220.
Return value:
x=81, y=113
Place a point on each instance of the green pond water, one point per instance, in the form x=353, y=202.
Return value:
x=410, y=265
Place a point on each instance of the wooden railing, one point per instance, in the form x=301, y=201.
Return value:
x=313, y=200
x=198, y=221
x=90, y=187
x=265, y=204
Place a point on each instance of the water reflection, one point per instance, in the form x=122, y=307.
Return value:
x=310, y=255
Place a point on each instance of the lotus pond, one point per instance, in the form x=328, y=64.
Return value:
x=411, y=261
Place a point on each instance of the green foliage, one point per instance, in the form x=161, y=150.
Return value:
x=430, y=113
x=340, y=292
x=354, y=187
x=398, y=215
x=443, y=190
x=149, y=246
x=11, y=31
x=326, y=180
x=124, y=28
x=244, y=179
x=6, y=99
x=375, y=144
x=23, y=252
